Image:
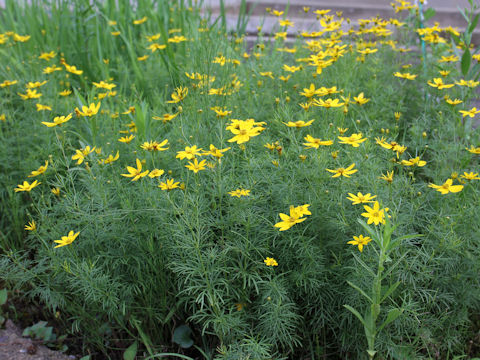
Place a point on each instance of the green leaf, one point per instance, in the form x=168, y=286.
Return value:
x=3, y=296
x=360, y=291
x=392, y=316
x=474, y=23
x=428, y=14
x=131, y=352
x=85, y=357
x=356, y=313
x=466, y=60
x=390, y=291
x=181, y=336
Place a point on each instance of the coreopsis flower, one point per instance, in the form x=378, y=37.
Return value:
x=170, y=184
x=47, y=56
x=244, y=130
x=55, y=191
x=110, y=159
x=355, y=139
x=126, y=139
x=447, y=187
x=360, y=198
x=439, y=84
x=311, y=91
x=81, y=154
x=291, y=69
x=177, y=39
x=72, y=69
x=360, y=241
x=360, y=99
x=314, y=143
x=36, y=84
x=453, y=102
x=473, y=150
x=65, y=92
x=155, y=146
x=286, y=22
x=374, y=215
x=189, y=153
x=216, y=153
x=196, y=166
x=299, y=124
x=31, y=94
x=414, y=162
x=165, y=117
x=407, y=76
x=67, y=240
x=221, y=112
x=58, y=121
x=472, y=112
x=328, y=103
x=104, y=85
x=270, y=261
x=6, y=83
x=20, y=38
x=388, y=178
x=470, y=176
x=346, y=172
x=156, y=173
x=239, y=193
x=31, y=226
x=135, y=173
x=40, y=170
x=26, y=186
x=140, y=21
x=142, y=58
x=41, y=107
x=51, y=69
x=178, y=95
x=295, y=217
x=91, y=110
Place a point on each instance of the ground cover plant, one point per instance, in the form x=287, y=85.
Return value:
x=169, y=188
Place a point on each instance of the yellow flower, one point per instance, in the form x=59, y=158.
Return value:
x=298, y=124
x=31, y=94
x=55, y=191
x=170, y=184
x=65, y=92
x=239, y=193
x=453, y=102
x=217, y=153
x=26, y=186
x=314, y=143
x=47, y=56
x=329, y=103
x=472, y=112
x=243, y=130
x=110, y=159
x=82, y=153
x=343, y=172
x=31, y=226
x=439, y=84
x=374, y=215
x=270, y=261
x=142, y=58
x=470, y=176
x=447, y=187
x=58, y=121
x=360, y=99
x=88, y=111
x=103, y=85
x=178, y=95
x=360, y=198
x=140, y=21
x=126, y=139
x=40, y=170
x=165, y=117
x=135, y=173
x=156, y=173
x=388, y=178
x=196, y=166
x=41, y=107
x=473, y=150
x=154, y=47
x=6, y=83
x=415, y=161
x=67, y=240
x=177, y=39
x=311, y=91
x=189, y=153
x=360, y=241
x=295, y=217
x=407, y=76
x=355, y=139
x=72, y=69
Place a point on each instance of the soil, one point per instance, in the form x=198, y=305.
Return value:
x=15, y=347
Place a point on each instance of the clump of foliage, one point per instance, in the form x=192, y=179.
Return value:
x=275, y=200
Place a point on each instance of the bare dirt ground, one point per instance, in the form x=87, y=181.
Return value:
x=15, y=347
